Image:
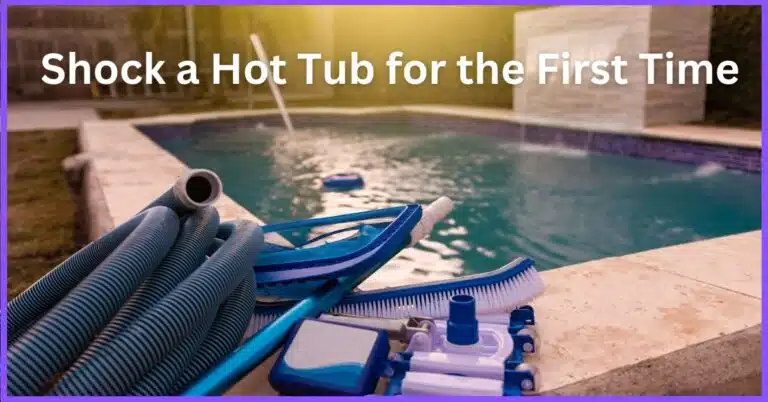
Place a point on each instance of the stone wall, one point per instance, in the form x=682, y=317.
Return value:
x=602, y=33
x=685, y=30
x=94, y=33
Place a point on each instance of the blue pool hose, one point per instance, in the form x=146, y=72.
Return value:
x=143, y=310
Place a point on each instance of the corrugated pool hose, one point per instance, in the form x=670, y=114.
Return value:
x=143, y=310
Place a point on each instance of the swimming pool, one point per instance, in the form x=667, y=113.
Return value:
x=559, y=206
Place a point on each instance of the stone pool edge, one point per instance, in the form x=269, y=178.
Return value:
x=129, y=170
x=674, y=320
x=126, y=171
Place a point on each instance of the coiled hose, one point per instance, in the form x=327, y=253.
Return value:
x=143, y=310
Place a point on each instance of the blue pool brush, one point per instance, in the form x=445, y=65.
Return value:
x=495, y=292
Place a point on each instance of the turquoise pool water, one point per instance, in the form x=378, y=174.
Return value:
x=558, y=206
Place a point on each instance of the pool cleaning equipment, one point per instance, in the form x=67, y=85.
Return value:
x=343, y=182
x=349, y=362
x=454, y=357
x=150, y=306
x=324, y=279
x=397, y=329
x=156, y=306
x=496, y=293
x=366, y=240
x=142, y=310
x=463, y=357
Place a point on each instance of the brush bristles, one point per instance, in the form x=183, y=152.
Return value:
x=496, y=298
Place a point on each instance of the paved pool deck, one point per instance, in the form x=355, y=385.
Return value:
x=671, y=321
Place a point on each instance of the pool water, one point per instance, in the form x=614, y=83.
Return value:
x=558, y=206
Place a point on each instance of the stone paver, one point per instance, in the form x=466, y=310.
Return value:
x=612, y=313
x=47, y=116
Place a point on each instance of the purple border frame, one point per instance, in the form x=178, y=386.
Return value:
x=3, y=193
x=764, y=184
x=370, y=2
x=4, y=137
